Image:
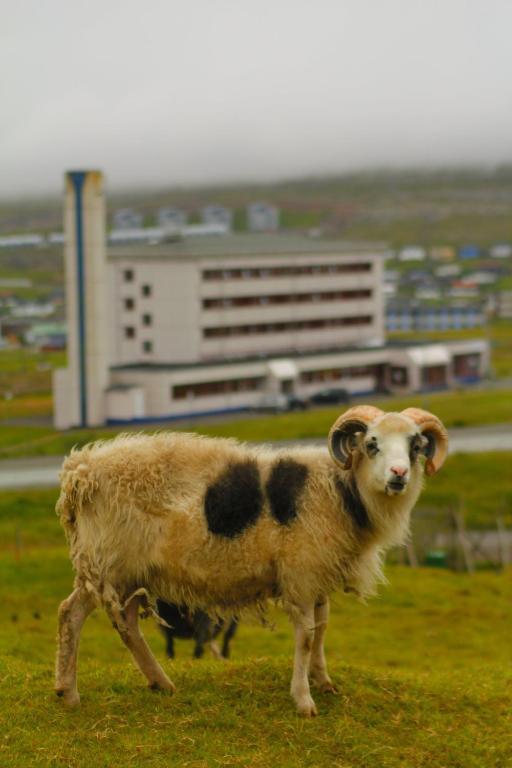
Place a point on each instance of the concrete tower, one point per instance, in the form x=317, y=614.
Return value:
x=79, y=389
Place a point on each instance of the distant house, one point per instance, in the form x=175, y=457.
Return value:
x=22, y=241
x=33, y=309
x=442, y=253
x=405, y=316
x=411, y=253
x=467, y=252
x=482, y=277
x=47, y=336
x=127, y=218
x=262, y=217
x=500, y=251
x=427, y=293
x=447, y=270
x=171, y=217
x=217, y=214
x=56, y=238
x=463, y=289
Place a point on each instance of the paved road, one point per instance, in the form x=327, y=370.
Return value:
x=43, y=471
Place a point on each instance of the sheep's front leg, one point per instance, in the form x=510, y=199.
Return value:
x=72, y=614
x=304, y=636
x=126, y=622
x=318, y=667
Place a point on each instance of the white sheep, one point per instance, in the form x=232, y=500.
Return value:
x=222, y=526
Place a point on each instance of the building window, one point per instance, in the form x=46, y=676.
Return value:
x=287, y=298
x=147, y=346
x=146, y=290
x=128, y=275
x=129, y=304
x=213, y=388
x=335, y=374
x=129, y=332
x=293, y=325
x=284, y=271
x=147, y=319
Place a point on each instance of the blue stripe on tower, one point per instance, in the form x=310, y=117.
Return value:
x=78, y=178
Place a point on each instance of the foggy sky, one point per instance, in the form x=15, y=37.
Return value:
x=165, y=92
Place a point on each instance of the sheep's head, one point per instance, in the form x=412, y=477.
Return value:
x=384, y=448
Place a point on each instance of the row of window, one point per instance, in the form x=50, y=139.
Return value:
x=207, y=388
x=334, y=374
x=285, y=298
x=230, y=386
x=295, y=325
x=129, y=277
x=130, y=331
x=287, y=271
x=147, y=317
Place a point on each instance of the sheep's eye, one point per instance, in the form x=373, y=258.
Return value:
x=372, y=448
x=416, y=446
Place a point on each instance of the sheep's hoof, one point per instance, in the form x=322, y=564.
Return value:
x=70, y=698
x=328, y=687
x=307, y=708
x=163, y=687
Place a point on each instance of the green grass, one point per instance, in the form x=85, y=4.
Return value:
x=423, y=671
x=26, y=371
x=484, y=230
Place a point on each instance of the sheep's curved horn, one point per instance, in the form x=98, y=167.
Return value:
x=340, y=440
x=435, y=432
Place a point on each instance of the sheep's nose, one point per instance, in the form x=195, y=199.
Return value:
x=399, y=471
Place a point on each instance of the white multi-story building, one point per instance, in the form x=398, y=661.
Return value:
x=211, y=324
x=127, y=218
x=171, y=217
x=262, y=217
x=217, y=214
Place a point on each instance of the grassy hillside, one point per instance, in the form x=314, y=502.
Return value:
x=423, y=670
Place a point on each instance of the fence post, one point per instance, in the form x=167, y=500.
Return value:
x=411, y=554
x=463, y=541
x=503, y=542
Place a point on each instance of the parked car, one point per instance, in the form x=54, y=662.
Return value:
x=332, y=396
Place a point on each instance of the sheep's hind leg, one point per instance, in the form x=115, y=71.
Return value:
x=72, y=614
x=317, y=666
x=126, y=622
x=304, y=623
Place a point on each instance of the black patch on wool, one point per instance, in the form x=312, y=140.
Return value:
x=234, y=502
x=353, y=504
x=284, y=487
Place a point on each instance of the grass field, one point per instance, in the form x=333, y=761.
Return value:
x=26, y=375
x=424, y=673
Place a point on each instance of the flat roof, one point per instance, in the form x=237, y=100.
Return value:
x=406, y=346
x=154, y=367
x=218, y=246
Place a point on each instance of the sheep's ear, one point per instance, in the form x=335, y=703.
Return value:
x=435, y=432
x=341, y=440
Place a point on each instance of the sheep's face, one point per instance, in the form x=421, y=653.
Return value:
x=384, y=449
x=388, y=455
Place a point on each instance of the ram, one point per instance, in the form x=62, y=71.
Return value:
x=222, y=526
